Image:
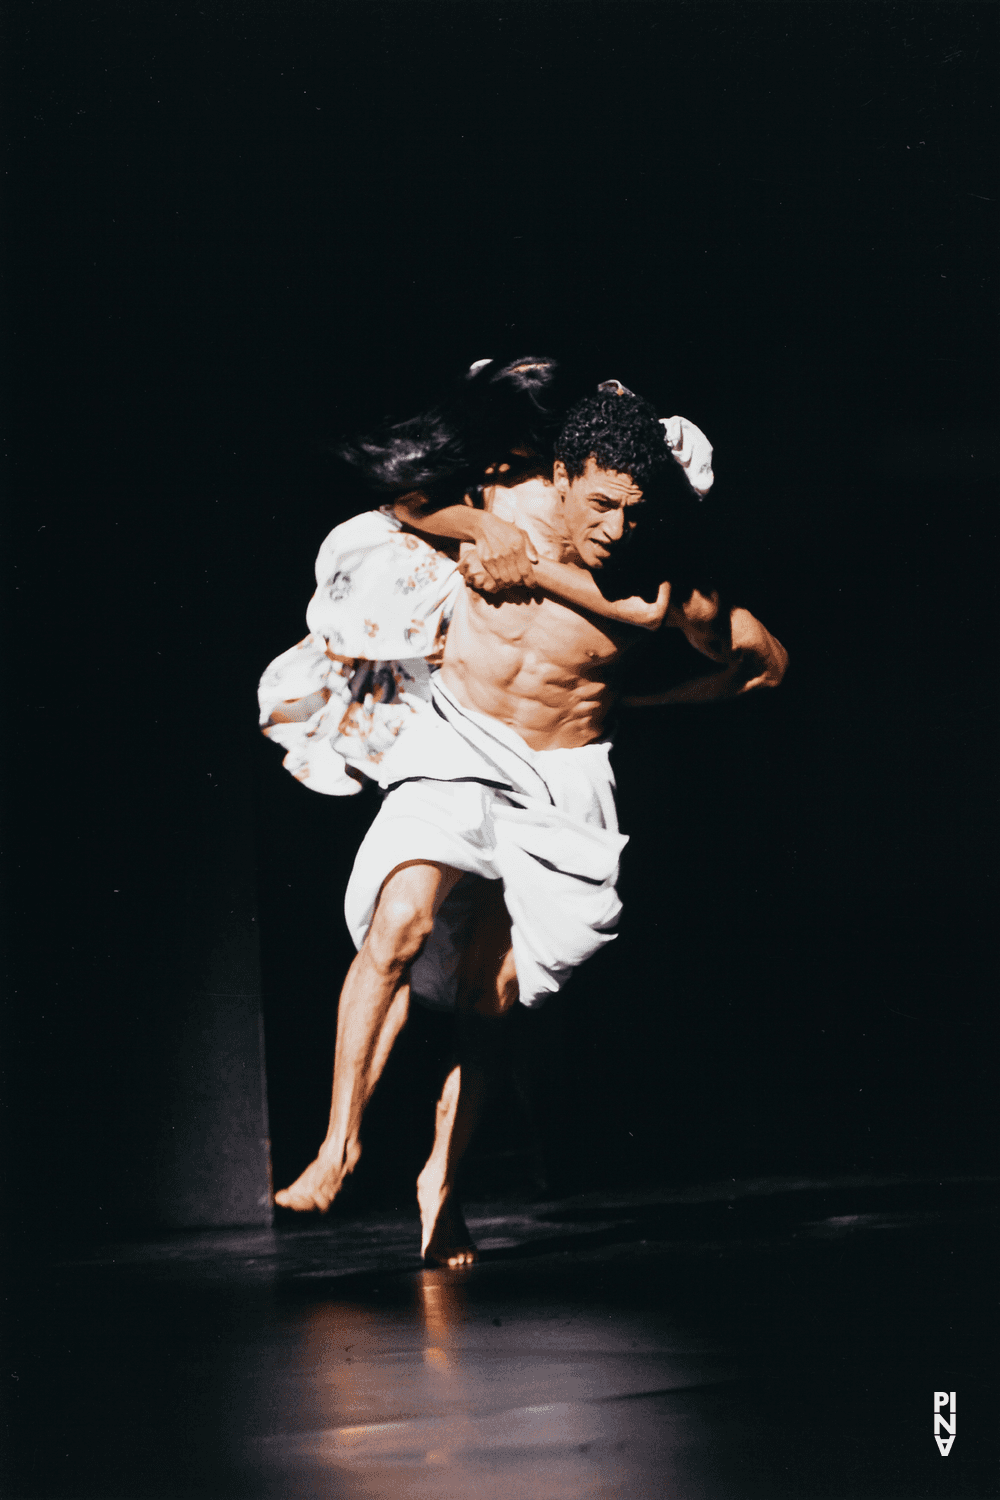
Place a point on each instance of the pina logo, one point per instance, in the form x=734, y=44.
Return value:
x=944, y=1417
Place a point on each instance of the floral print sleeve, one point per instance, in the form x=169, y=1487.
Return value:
x=339, y=698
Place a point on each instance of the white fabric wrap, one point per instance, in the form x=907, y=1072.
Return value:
x=468, y=792
x=692, y=450
x=341, y=696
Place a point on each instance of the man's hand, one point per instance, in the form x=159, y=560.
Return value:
x=762, y=658
x=501, y=559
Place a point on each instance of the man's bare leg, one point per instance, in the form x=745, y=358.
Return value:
x=487, y=991
x=374, y=1004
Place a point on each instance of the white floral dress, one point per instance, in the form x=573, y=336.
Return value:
x=339, y=699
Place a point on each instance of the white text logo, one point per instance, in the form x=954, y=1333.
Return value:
x=944, y=1419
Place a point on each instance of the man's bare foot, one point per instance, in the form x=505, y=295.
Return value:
x=446, y=1239
x=318, y=1185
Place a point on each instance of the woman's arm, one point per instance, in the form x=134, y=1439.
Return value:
x=504, y=557
x=505, y=552
x=577, y=586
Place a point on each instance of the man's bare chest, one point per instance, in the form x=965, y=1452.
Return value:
x=546, y=629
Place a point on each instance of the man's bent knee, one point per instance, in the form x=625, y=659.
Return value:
x=404, y=915
x=399, y=930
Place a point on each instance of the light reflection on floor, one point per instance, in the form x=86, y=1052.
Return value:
x=452, y=1396
x=710, y=1350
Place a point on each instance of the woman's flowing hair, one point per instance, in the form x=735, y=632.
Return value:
x=495, y=408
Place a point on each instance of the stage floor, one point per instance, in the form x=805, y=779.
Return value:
x=726, y=1342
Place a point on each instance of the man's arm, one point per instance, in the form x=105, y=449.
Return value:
x=750, y=655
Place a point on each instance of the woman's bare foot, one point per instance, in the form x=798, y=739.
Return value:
x=446, y=1240
x=319, y=1184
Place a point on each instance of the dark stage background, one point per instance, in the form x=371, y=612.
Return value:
x=233, y=232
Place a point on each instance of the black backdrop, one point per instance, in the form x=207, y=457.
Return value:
x=233, y=231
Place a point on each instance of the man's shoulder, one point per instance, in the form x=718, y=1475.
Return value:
x=533, y=505
x=532, y=497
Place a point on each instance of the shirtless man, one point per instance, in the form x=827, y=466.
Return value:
x=500, y=808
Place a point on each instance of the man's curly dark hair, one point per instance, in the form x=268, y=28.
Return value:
x=620, y=433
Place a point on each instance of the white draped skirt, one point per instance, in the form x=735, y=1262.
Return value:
x=466, y=791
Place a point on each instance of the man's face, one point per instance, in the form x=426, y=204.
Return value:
x=599, y=510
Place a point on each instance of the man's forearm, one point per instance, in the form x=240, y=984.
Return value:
x=712, y=688
x=753, y=658
x=729, y=635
